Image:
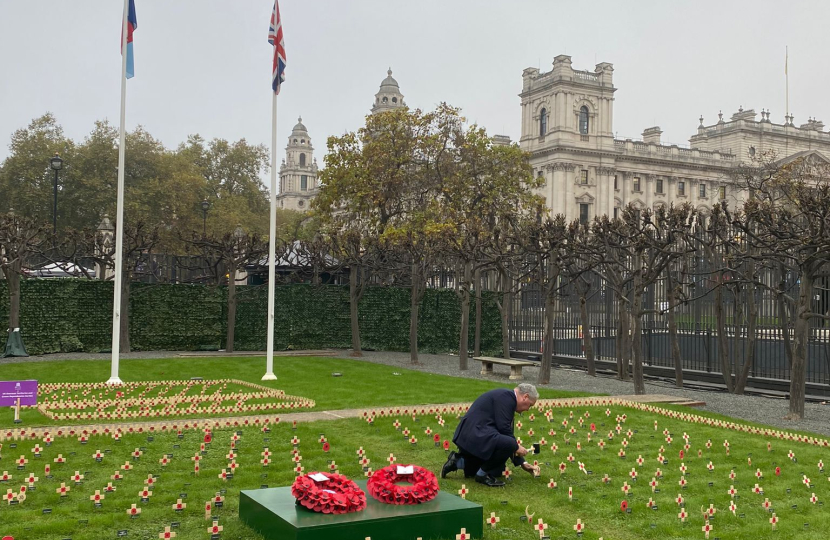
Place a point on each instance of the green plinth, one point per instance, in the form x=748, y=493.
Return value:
x=274, y=514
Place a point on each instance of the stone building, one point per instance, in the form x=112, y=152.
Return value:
x=299, y=178
x=568, y=129
x=389, y=96
x=298, y=172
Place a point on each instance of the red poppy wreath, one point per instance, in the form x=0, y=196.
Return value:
x=328, y=493
x=384, y=486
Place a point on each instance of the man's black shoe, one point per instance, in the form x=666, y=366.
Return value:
x=489, y=481
x=450, y=465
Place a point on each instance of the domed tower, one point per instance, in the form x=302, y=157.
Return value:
x=298, y=172
x=389, y=96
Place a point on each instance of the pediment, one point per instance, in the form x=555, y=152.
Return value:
x=807, y=157
x=585, y=198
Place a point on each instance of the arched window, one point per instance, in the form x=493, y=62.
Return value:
x=543, y=122
x=394, y=100
x=302, y=160
x=583, y=120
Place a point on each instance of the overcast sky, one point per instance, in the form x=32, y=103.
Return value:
x=203, y=66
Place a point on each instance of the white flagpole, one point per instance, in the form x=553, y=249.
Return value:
x=119, y=217
x=269, y=363
x=787, y=78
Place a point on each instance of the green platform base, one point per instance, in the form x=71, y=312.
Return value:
x=274, y=514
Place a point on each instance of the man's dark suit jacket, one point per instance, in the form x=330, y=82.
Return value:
x=488, y=424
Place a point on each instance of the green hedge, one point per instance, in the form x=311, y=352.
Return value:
x=69, y=315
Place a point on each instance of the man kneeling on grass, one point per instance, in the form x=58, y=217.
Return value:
x=485, y=439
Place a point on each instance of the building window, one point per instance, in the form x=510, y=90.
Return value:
x=721, y=192
x=616, y=213
x=659, y=187
x=385, y=99
x=543, y=122
x=702, y=190
x=583, y=120
x=583, y=213
x=304, y=182
x=394, y=100
x=300, y=203
x=302, y=160
x=636, y=184
x=540, y=174
x=583, y=177
x=681, y=188
x=616, y=185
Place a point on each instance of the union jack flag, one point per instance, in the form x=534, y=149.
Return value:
x=275, y=39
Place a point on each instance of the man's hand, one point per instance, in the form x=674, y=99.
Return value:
x=535, y=471
x=522, y=451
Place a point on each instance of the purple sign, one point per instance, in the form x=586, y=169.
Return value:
x=11, y=391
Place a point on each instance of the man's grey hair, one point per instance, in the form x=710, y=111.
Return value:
x=529, y=389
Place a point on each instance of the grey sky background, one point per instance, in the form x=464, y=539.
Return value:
x=204, y=66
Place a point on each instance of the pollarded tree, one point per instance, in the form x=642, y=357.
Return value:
x=643, y=243
x=361, y=253
x=578, y=269
x=20, y=239
x=383, y=182
x=225, y=259
x=546, y=248
x=789, y=206
x=481, y=185
x=611, y=259
x=140, y=240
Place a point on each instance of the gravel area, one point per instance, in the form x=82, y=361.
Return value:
x=142, y=355
x=770, y=411
x=765, y=410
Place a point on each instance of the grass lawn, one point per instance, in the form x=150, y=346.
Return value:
x=362, y=384
x=594, y=502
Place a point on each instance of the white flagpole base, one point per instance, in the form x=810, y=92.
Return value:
x=115, y=380
x=269, y=376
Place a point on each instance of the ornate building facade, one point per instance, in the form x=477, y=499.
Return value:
x=567, y=127
x=298, y=172
x=299, y=179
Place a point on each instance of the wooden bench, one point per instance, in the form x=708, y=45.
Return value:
x=515, y=366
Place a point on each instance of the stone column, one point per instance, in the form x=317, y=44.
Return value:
x=606, y=177
x=569, y=205
x=622, y=182
x=558, y=189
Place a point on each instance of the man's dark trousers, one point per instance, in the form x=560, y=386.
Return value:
x=485, y=434
x=494, y=466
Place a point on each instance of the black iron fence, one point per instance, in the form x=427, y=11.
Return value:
x=697, y=331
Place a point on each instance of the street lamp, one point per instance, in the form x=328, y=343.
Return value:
x=57, y=164
x=205, y=208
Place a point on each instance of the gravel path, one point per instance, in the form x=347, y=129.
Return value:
x=764, y=410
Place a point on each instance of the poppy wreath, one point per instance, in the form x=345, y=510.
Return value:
x=383, y=485
x=337, y=495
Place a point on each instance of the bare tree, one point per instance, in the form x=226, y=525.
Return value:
x=649, y=241
x=790, y=204
x=140, y=239
x=20, y=239
x=225, y=259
